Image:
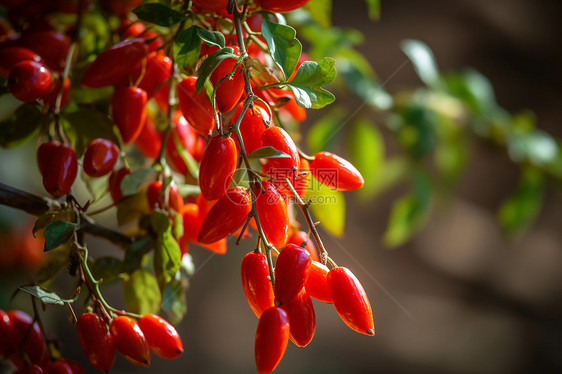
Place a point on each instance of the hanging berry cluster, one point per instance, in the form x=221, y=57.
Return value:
x=187, y=117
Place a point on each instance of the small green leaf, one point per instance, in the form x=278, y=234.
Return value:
x=45, y=219
x=44, y=295
x=187, y=46
x=210, y=64
x=159, y=222
x=320, y=11
x=284, y=47
x=19, y=126
x=167, y=258
x=308, y=82
x=324, y=132
x=521, y=208
x=85, y=125
x=327, y=206
x=366, y=150
x=158, y=14
x=374, y=9
x=134, y=254
x=141, y=292
x=58, y=233
x=474, y=89
x=424, y=62
x=130, y=184
x=107, y=268
x=409, y=213
x=174, y=302
x=267, y=152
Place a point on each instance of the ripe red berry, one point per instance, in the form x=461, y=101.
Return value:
x=193, y=216
x=229, y=92
x=72, y=365
x=252, y=125
x=256, y=283
x=210, y=6
x=196, y=108
x=130, y=341
x=129, y=111
x=27, y=340
x=291, y=271
x=100, y=157
x=120, y=8
x=281, y=5
x=281, y=167
x=227, y=215
x=115, y=180
x=218, y=165
x=6, y=334
x=96, y=341
x=31, y=369
x=149, y=140
x=109, y=68
x=129, y=30
x=302, y=239
x=272, y=336
x=51, y=98
x=316, y=284
x=335, y=172
x=272, y=211
x=162, y=338
x=11, y=56
x=158, y=70
x=350, y=300
x=157, y=200
x=52, y=46
x=302, y=319
x=29, y=81
x=183, y=136
x=58, y=166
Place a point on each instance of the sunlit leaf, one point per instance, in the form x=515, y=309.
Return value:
x=327, y=206
x=366, y=150
x=141, y=292
x=267, y=152
x=283, y=45
x=374, y=9
x=307, y=83
x=423, y=60
x=324, y=132
x=320, y=11
x=44, y=295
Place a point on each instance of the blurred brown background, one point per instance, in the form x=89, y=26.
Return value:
x=459, y=298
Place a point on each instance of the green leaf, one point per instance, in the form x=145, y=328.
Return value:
x=474, y=89
x=308, y=82
x=424, y=62
x=210, y=64
x=374, y=9
x=366, y=150
x=141, y=292
x=538, y=147
x=46, y=296
x=85, y=125
x=20, y=125
x=131, y=208
x=158, y=14
x=107, y=268
x=174, y=302
x=58, y=233
x=284, y=47
x=327, y=206
x=267, y=152
x=45, y=219
x=159, y=222
x=320, y=11
x=409, y=213
x=521, y=208
x=134, y=254
x=324, y=132
x=130, y=184
x=187, y=46
x=55, y=261
x=167, y=258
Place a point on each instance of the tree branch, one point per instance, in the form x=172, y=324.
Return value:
x=37, y=206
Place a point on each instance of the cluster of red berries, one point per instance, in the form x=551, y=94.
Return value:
x=286, y=311
x=133, y=340
x=22, y=341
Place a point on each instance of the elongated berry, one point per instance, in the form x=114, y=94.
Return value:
x=302, y=318
x=58, y=166
x=217, y=167
x=6, y=334
x=256, y=283
x=100, y=157
x=129, y=111
x=27, y=340
x=281, y=167
x=272, y=211
x=29, y=80
x=196, y=107
x=230, y=90
x=149, y=140
x=130, y=341
x=291, y=271
x=227, y=215
x=335, y=172
x=96, y=341
x=162, y=338
x=316, y=284
x=350, y=300
x=302, y=239
x=272, y=336
x=252, y=125
x=115, y=180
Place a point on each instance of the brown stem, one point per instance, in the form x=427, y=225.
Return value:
x=37, y=206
